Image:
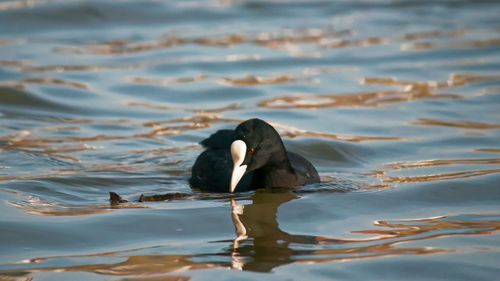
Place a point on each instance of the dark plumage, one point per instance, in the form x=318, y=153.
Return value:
x=253, y=152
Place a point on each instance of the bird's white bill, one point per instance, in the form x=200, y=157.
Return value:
x=238, y=151
x=238, y=172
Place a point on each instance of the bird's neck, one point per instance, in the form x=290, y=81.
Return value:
x=278, y=172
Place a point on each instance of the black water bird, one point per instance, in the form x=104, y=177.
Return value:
x=251, y=156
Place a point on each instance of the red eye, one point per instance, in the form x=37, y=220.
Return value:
x=252, y=151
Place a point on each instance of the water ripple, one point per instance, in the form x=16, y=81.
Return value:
x=394, y=102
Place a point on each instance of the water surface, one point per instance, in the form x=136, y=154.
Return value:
x=396, y=103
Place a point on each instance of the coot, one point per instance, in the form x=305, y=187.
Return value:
x=251, y=156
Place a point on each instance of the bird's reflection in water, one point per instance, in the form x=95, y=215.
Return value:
x=260, y=244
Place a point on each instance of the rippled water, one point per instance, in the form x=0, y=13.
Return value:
x=395, y=102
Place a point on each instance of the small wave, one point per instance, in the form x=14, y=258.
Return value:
x=457, y=124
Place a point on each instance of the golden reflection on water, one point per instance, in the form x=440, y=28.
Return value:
x=166, y=80
x=17, y=4
x=356, y=42
x=369, y=41
x=460, y=79
x=124, y=46
x=457, y=124
x=247, y=80
x=16, y=63
x=256, y=80
x=411, y=90
x=377, y=98
x=65, y=147
x=98, y=67
x=21, y=142
x=441, y=176
x=440, y=162
x=278, y=40
x=315, y=70
x=54, y=81
x=287, y=39
x=36, y=176
x=452, y=45
x=53, y=209
x=459, y=62
x=433, y=34
x=223, y=41
x=487, y=149
x=13, y=84
x=308, y=35
x=292, y=132
x=464, y=165
x=261, y=245
x=171, y=107
x=57, y=146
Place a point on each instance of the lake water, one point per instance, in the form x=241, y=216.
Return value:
x=396, y=103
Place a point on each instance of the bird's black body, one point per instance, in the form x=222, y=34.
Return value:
x=269, y=165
